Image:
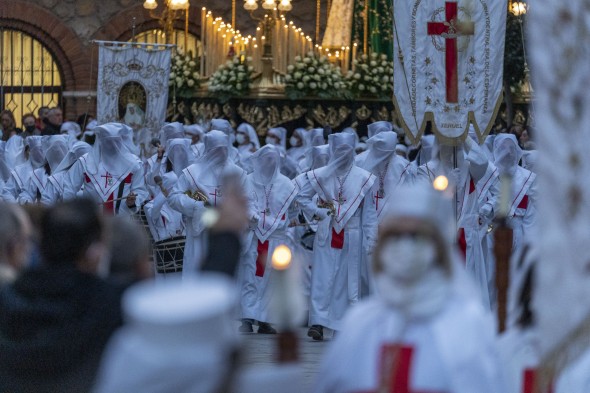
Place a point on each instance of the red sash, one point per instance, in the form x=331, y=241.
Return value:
x=337, y=239
x=262, y=250
x=524, y=203
x=462, y=243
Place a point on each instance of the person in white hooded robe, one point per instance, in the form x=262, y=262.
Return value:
x=55, y=186
x=391, y=171
x=316, y=138
x=206, y=176
x=4, y=169
x=271, y=194
x=521, y=215
x=425, y=329
x=195, y=133
x=248, y=144
x=158, y=160
x=472, y=218
x=277, y=136
x=372, y=130
x=110, y=174
x=304, y=228
x=300, y=141
x=344, y=228
x=55, y=152
x=20, y=176
x=225, y=126
x=163, y=221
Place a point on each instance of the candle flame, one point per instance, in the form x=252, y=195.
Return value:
x=440, y=183
x=281, y=257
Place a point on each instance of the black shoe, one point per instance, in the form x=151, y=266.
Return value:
x=265, y=328
x=316, y=332
x=246, y=326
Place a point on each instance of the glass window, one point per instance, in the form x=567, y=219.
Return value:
x=29, y=75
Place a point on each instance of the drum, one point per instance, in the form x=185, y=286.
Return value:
x=307, y=239
x=141, y=219
x=168, y=255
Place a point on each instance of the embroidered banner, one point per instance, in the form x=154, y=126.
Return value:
x=451, y=65
x=559, y=39
x=133, y=85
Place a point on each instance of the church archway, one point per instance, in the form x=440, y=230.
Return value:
x=29, y=74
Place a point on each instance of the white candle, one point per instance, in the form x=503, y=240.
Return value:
x=281, y=262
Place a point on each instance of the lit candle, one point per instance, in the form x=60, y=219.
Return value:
x=440, y=183
x=281, y=261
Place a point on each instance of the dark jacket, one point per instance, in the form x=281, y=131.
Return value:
x=50, y=128
x=54, y=325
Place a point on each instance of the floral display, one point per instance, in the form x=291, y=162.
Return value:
x=313, y=75
x=184, y=75
x=372, y=76
x=232, y=79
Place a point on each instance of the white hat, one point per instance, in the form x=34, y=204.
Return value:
x=377, y=127
x=71, y=128
x=423, y=202
x=194, y=129
x=178, y=337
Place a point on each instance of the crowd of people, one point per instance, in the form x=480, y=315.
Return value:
x=392, y=270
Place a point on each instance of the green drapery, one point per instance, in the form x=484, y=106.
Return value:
x=380, y=26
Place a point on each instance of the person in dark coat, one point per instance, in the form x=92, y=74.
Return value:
x=56, y=319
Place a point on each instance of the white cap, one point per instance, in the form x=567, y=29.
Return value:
x=178, y=337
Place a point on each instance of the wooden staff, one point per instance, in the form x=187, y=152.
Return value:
x=503, y=251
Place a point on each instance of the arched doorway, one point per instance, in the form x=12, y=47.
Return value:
x=29, y=75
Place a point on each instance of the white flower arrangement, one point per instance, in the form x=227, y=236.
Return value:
x=232, y=79
x=184, y=75
x=372, y=75
x=313, y=75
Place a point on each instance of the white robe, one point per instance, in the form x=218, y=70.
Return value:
x=468, y=222
x=54, y=189
x=192, y=178
x=336, y=277
x=519, y=358
x=35, y=188
x=20, y=179
x=102, y=187
x=450, y=352
x=256, y=273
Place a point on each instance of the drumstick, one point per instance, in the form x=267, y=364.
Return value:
x=304, y=224
x=158, y=181
x=113, y=200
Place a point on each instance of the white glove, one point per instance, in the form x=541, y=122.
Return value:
x=322, y=213
x=486, y=213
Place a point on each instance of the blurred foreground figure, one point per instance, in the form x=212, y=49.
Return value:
x=15, y=231
x=56, y=319
x=179, y=338
x=425, y=329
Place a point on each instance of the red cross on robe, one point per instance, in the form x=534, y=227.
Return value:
x=450, y=30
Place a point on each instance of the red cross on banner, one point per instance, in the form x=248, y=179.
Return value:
x=450, y=30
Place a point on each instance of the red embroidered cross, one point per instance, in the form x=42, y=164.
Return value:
x=377, y=197
x=450, y=30
x=263, y=218
x=215, y=194
x=106, y=179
